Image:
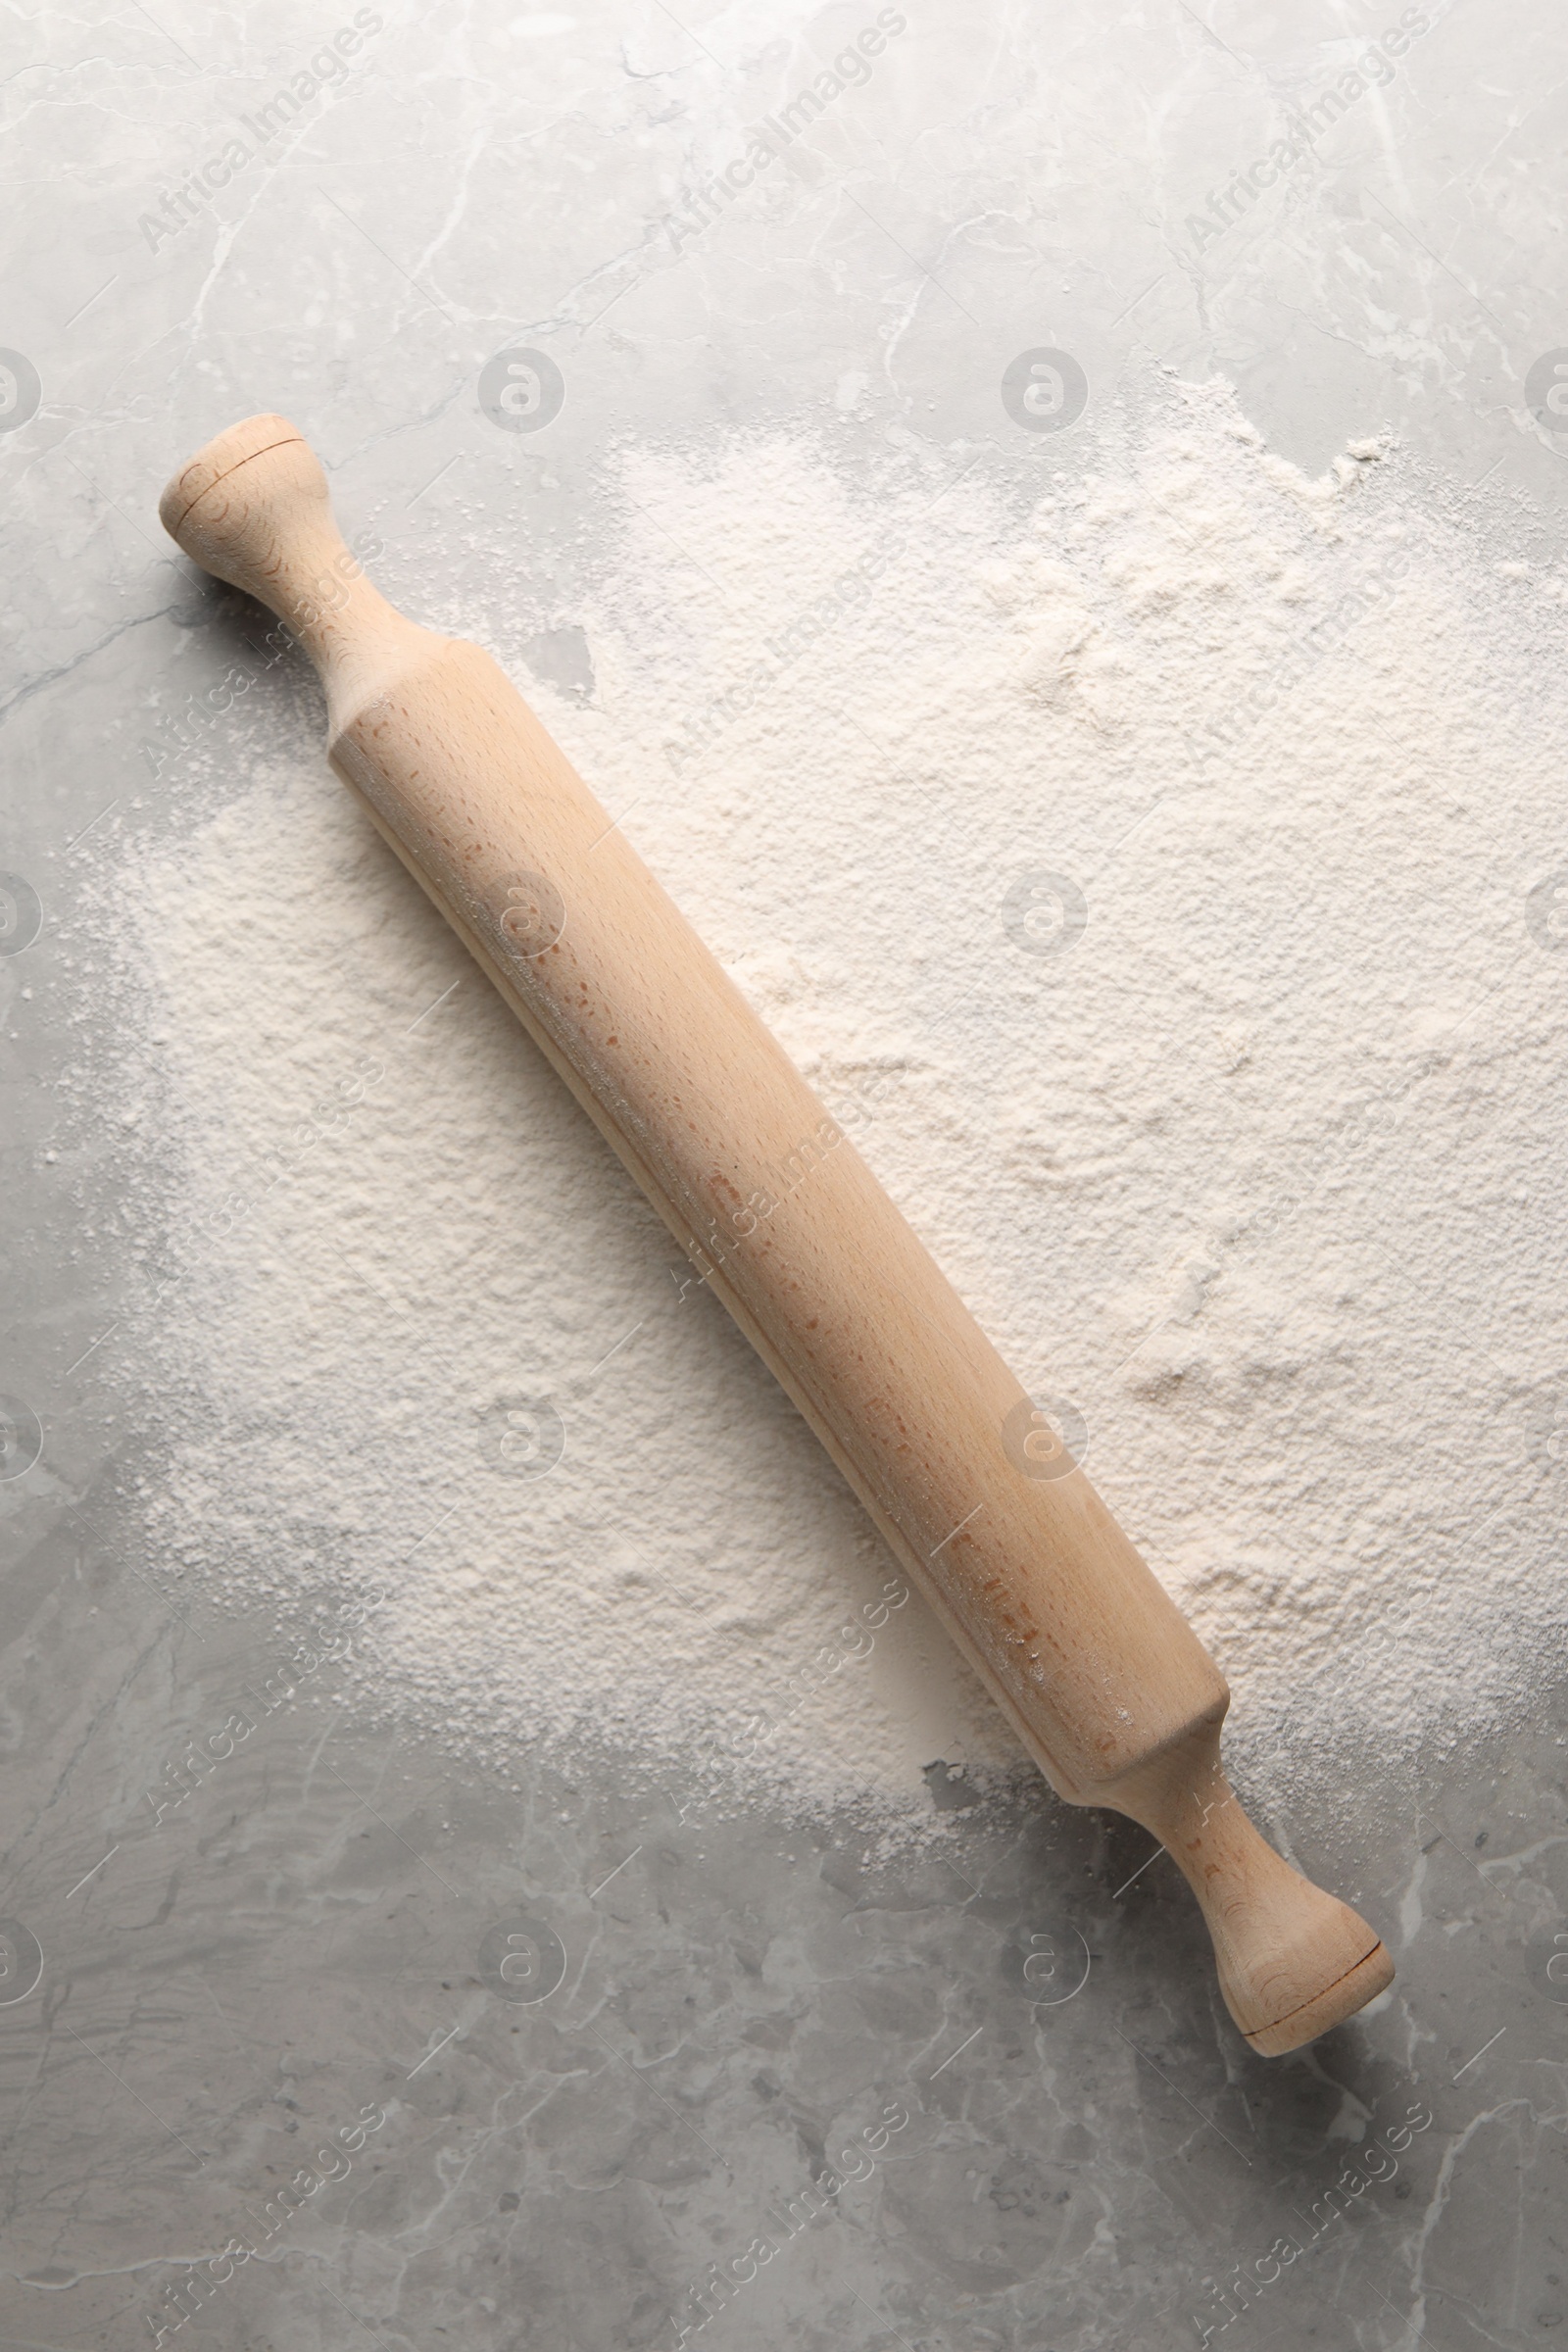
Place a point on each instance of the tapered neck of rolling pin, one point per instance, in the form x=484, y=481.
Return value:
x=254, y=509
x=1293, y=1960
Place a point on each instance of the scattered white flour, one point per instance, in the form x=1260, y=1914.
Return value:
x=1297, y=742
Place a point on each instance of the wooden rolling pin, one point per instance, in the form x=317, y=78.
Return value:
x=1103, y=1680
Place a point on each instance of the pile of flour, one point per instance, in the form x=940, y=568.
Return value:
x=1245, y=1145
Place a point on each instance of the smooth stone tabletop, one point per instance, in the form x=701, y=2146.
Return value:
x=555, y=2060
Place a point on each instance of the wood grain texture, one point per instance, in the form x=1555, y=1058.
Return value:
x=1091, y=1660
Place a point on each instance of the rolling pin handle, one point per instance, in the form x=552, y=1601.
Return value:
x=254, y=509
x=1292, y=1961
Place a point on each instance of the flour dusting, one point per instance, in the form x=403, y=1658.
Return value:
x=1141, y=856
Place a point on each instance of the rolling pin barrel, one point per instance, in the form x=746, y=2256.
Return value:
x=1102, y=1676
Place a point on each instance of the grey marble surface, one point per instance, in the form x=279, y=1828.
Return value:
x=536, y=2064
